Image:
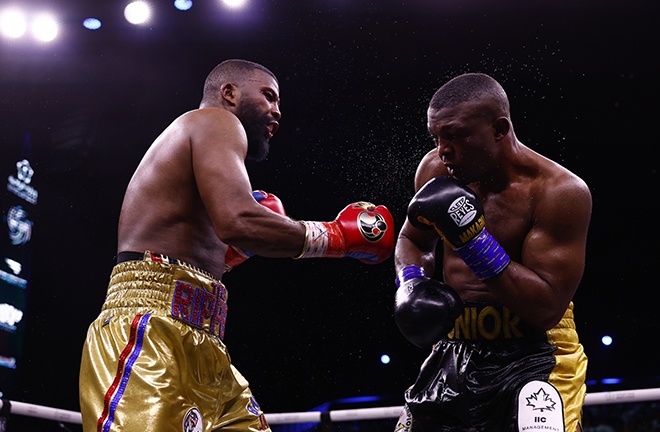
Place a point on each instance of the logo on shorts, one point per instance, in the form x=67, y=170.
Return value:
x=540, y=408
x=404, y=424
x=541, y=401
x=192, y=421
x=372, y=225
x=254, y=409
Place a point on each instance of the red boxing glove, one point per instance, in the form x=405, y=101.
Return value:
x=270, y=201
x=362, y=231
x=236, y=256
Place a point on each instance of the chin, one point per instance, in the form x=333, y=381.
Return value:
x=258, y=151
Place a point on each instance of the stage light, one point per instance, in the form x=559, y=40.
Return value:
x=234, y=4
x=137, y=12
x=92, y=23
x=384, y=359
x=12, y=23
x=44, y=28
x=606, y=340
x=183, y=5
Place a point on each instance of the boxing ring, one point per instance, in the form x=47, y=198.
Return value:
x=9, y=407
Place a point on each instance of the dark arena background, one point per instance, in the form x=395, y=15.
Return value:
x=79, y=112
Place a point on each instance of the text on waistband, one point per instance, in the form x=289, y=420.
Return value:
x=201, y=308
x=487, y=323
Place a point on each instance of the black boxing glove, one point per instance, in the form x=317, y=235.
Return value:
x=425, y=309
x=458, y=217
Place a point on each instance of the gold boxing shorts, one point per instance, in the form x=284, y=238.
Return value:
x=495, y=373
x=154, y=360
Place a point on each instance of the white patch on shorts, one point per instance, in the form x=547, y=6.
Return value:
x=540, y=408
x=405, y=421
x=192, y=421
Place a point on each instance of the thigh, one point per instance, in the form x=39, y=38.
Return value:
x=128, y=376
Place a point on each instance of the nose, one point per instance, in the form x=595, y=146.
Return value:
x=444, y=149
x=276, y=113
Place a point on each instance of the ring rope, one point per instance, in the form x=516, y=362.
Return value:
x=602, y=398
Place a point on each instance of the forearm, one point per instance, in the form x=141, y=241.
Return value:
x=528, y=296
x=271, y=236
x=415, y=248
x=361, y=230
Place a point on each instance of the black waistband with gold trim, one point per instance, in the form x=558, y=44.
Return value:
x=157, y=257
x=483, y=321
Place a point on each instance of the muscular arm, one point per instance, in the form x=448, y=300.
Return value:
x=539, y=288
x=414, y=246
x=219, y=146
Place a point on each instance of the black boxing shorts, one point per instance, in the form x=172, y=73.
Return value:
x=494, y=373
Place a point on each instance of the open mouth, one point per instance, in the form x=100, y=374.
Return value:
x=272, y=128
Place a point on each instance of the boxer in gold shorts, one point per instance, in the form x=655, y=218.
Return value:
x=139, y=371
x=154, y=359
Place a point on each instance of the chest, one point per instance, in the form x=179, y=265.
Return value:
x=510, y=215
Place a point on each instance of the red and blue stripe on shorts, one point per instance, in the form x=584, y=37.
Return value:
x=124, y=368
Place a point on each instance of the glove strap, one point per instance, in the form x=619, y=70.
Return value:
x=322, y=240
x=484, y=255
x=409, y=272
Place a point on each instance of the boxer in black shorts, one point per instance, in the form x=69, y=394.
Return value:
x=487, y=263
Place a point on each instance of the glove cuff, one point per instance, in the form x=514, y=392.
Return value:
x=322, y=240
x=409, y=272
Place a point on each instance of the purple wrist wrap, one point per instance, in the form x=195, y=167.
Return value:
x=409, y=272
x=484, y=255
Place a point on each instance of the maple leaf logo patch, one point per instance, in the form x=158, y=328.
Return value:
x=541, y=401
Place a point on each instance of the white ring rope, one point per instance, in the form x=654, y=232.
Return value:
x=39, y=411
x=603, y=398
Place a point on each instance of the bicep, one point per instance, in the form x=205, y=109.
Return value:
x=218, y=152
x=555, y=247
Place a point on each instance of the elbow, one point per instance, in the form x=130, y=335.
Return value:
x=547, y=321
x=234, y=228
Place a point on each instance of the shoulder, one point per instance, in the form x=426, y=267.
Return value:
x=563, y=190
x=217, y=117
x=429, y=168
x=215, y=125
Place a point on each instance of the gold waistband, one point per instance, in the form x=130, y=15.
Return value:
x=182, y=291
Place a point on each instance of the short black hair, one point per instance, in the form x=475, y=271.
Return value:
x=470, y=87
x=232, y=70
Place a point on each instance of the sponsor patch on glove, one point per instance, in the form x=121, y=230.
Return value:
x=372, y=225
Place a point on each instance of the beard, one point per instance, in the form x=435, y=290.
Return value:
x=254, y=123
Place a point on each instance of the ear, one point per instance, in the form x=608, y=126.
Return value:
x=228, y=93
x=501, y=127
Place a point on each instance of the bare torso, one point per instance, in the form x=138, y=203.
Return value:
x=162, y=209
x=512, y=214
